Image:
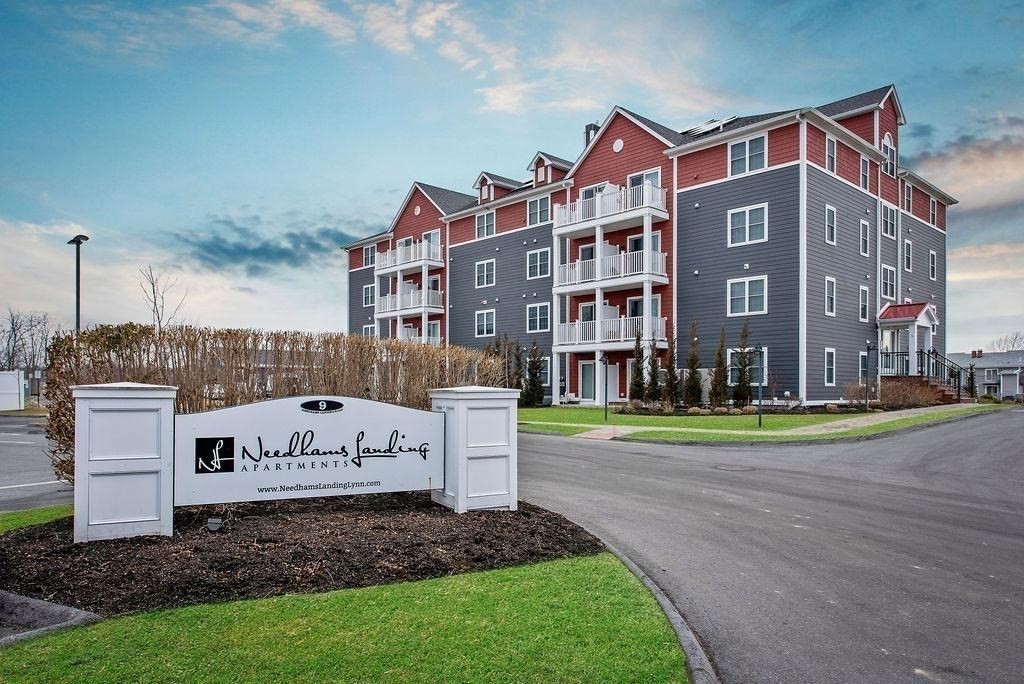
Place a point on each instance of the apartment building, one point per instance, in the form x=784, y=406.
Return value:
x=800, y=222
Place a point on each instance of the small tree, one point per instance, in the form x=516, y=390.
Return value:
x=653, y=392
x=693, y=387
x=742, y=392
x=533, y=388
x=719, y=391
x=971, y=379
x=670, y=392
x=636, y=380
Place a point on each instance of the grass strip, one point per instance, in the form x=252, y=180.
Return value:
x=595, y=416
x=33, y=516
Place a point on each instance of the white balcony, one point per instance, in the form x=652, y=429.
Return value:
x=413, y=302
x=613, y=208
x=613, y=271
x=610, y=333
x=409, y=258
x=422, y=339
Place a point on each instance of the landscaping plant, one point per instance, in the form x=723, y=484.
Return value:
x=637, y=388
x=693, y=387
x=718, y=394
x=653, y=391
x=533, y=387
x=743, y=358
x=670, y=392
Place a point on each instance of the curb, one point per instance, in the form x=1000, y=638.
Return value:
x=42, y=617
x=698, y=665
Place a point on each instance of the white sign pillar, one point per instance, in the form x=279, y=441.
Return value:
x=481, y=448
x=124, y=460
x=12, y=391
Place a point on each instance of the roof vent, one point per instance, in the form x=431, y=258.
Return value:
x=589, y=133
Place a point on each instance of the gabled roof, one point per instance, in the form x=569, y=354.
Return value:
x=500, y=181
x=864, y=102
x=663, y=133
x=913, y=311
x=368, y=240
x=446, y=200
x=734, y=124
x=1008, y=359
x=557, y=162
x=669, y=136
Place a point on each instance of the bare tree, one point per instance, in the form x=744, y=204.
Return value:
x=12, y=337
x=1010, y=342
x=24, y=339
x=156, y=287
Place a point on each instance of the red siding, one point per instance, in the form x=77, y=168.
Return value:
x=462, y=230
x=703, y=166
x=784, y=144
x=888, y=123
x=942, y=216
x=848, y=163
x=355, y=258
x=921, y=203
x=816, y=145
x=862, y=125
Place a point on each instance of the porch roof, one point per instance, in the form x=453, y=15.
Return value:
x=920, y=313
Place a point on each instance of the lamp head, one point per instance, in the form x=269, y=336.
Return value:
x=78, y=239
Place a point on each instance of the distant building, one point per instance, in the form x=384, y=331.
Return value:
x=997, y=374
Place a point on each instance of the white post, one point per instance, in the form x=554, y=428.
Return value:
x=598, y=251
x=480, y=448
x=554, y=375
x=556, y=318
x=124, y=460
x=912, y=349
x=12, y=391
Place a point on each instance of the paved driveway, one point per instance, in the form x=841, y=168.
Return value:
x=890, y=560
x=26, y=478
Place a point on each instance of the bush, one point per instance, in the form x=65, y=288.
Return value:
x=989, y=399
x=721, y=411
x=693, y=411
x=705, y=412
x=901, y=394
x=222, y=367
x=854, y=393
x=749, y=410
x=831, y=408
x=735, y=412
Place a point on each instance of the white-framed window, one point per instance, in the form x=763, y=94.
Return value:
x=830, y=296
x=933, y=211
x=755, y=366
x=635, y=243
x=369, y=255
x=748, y=225
x=908, y=197
x=991, y=374
x=862, y=305
x=830, y=224
x=538, y=263
x=538, y=317
x=485, y=224
x=538, y=174
x=933, y=265
x=538, y=210
x=485, y=323
x=748, y=155
x=545, y=371
x=485, y=273
x=908, y=256
x=865, y=238
x=991, y=390
x=369, y=294
x=370, y=330
x=830, y=367
x=747, y=296
x=830, y=154
x=888, y=282
x=865, y=173
x=889, y=151
x=862, y=367
x=889, y=221
x=652, y=176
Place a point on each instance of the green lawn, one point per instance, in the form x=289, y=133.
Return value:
x=595, y=416
x=579, y=619
x=34, y=516
x=568, y=430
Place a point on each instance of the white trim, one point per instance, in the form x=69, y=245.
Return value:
x=908, y=255
x=641, y=235
x=644, y=173
x=727, y=179
x=908, y=197
x=862, y=368
x=490, y=237
x=592, y=186
x=476, y=322
x=746, y=211
x=835, y=224
x=507, y=200
x=753, y=351
x=933, y=265
x=579, y=380
x=361, y=268
x=538, y=251
x=373, y=295
x=887, y=141
x=551, y=212
x=373, y=330
x=834, y=364
x=601, y=131
x=933, y=211
x=864, y=178
x=829, y=138
x=864, y=296
x=581, y=247
x=881, y=284
x=895, y=222
x=547, y=360
x=835, y=296
x=746, y=157
x=865, y=238
x=654, y=306
x=746, y=296
x=494, y=223
x=476, y=273
x=802, y=249
x=538, y=305
x=372, y=249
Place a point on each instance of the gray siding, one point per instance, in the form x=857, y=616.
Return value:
x=916, y=284
x=843, y=261
x=358, y=315
x=509, y=295
x=703, y=246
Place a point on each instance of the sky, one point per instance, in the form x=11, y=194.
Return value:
x=234, y=145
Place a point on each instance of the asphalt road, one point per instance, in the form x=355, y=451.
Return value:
x=26, y=479
x=891, y=560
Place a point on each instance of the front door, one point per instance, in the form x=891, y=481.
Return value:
x=586, y=380
x=612, y=382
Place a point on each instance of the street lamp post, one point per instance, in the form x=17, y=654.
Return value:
x=604, y=362
x=77, y=242
x=867, y=377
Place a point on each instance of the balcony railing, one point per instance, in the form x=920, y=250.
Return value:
x=415, y=299
x=619, y=265
x=422, y=339
x=623, y=329
x=408, y=254
x=609, y=203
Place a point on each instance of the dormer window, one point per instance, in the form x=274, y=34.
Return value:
x=889, y=150
x=538, y=176
x=485, y=192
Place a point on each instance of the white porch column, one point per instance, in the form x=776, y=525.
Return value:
x=600, y=379
x=556, y=319
x=598, y=250
x=648, y=265
x=554, y=376
x=423, y=294
x=912, y=348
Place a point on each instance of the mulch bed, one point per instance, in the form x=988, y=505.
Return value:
x=280, y=547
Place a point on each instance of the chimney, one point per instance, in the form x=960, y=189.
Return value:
x=974, y=353
x=589, y=133
x=980, y=352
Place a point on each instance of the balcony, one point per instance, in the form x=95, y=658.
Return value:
x=409, y=258
x=410, y=303
x=608, y=334
x=612, y=271
x=422, y=339
x=614, y=208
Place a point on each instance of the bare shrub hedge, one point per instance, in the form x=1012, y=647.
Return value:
x=902, y=394
x=213, y=368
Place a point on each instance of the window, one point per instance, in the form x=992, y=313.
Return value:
x=991, y=374
x=369, y=294
x=830, y=225
x=865, y=173
x=538, y=211
x=538, y=174
x=888, y=282
x=370, y=254
x=863, y=309
x=635, y=243
x=746, y=156
x=889, y=151
x=830, y=296
x=755, y=365
x=748, y=225
x=991, y=390
x=538, y=263
x=889, y=221
x=370, y=330
x=545, y=371
x=748, y=296
x=933, y=265
x=862, y=366
x=933, y=211
x=638, y=179
x=830, y=367
x=538, y=317
x=908, y=197
x=865, y=238
x=485, y=323
x=484, y=224
x=485, y=273
x=434, y=283
x=908, y=256
x=830, y=154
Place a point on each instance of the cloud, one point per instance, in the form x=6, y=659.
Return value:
x=983, y=173
x=511, y=97
x=387, y=26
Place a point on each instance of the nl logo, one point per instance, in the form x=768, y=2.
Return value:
x=215, y=455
